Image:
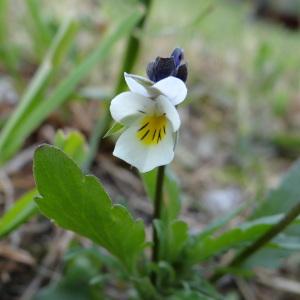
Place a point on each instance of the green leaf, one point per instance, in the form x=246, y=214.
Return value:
x=171, y=196
x=219, y=222
x=8, y=55
x=177, y=239
x=279, y=200
x=283, y=198
x=287, y=142
x=203, y=248
x=275, y=253
x=40, y=31
x=80, y=203
x=196, y=288
x=286, y=242
x=19, y=213
x=82, y=267
x=24, y=208
x=172, y=233
x=190, y=295
x=73, y=143
x=115, y=128
x=173, y=237
x=145, y=288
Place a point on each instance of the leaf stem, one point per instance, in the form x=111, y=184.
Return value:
x=260, y=242
x=156, y=215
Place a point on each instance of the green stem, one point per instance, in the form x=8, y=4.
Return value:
x=133, y=48
x=130, y=58
x=261, y=241
x=158, y=201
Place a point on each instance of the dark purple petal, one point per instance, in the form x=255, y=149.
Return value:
x=177, y=54
x=182, y=72
x=150, y=71
x=164, y=67
x=170, y=66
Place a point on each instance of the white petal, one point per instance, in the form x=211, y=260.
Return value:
x=173, y=88
x=140, y=85
x=165, y=106
x=129, y=105
x=144, y=157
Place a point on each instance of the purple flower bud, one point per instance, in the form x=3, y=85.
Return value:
x=177, y=54
x=170, y=66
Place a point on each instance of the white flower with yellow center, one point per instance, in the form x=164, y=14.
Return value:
x=148, y=111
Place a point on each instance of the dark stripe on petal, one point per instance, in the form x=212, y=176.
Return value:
x=154, y=135
x=145, y=134
x=143, y=126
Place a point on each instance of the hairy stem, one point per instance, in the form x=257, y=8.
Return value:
x=156, y=215
x=130, y=58
x=261, y=241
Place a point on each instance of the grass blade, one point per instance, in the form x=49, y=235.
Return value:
x=34, y=118
x=10, y=138
x=40, y=31
x=7, y=50
x=21, y=211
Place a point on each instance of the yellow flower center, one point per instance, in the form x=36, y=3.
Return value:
x=152, y=129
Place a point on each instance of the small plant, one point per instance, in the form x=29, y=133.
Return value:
x=169, y=265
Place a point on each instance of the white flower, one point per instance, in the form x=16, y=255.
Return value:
x=148, y=111
x=171, y=87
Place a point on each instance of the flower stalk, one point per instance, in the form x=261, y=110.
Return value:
x=158, y=201
x=260, y=242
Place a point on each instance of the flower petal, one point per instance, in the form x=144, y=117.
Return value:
x=182, y=72
x=139, y=85
x=173, y=88
x=165, y=106
x=127, y=106
x=144, y=157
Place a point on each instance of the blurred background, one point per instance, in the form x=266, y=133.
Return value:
x=241, y=120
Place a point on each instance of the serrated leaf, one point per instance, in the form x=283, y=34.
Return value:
x=79, y=203
x=241, y=236
x=114, y=129
x=24, y=208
